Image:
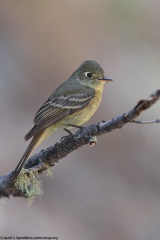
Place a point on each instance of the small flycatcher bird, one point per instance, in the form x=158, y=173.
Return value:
x=73, y=102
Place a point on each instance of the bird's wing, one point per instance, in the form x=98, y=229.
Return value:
x=57, y=108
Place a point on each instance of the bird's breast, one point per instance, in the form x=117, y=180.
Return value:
x=85, y=114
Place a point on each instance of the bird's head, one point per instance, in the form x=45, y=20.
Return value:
x=91, y=73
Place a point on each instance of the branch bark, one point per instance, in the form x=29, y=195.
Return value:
x=50, y=156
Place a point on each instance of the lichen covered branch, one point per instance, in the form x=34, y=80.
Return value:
x=50, y=156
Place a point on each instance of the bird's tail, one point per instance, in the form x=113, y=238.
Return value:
x=36, y=140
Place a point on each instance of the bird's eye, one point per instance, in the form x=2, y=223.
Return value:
x=88, y=74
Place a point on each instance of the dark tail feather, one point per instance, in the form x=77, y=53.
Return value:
x=30, y=134
x=26, y=154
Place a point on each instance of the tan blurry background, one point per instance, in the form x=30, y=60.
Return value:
x=110, y=191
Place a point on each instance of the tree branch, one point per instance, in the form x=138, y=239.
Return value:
x=50, y=156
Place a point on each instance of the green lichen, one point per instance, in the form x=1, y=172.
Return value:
x=29, y=183
x=49, y=172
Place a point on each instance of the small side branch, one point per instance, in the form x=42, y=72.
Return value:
x=147, y=122
x=50, y=156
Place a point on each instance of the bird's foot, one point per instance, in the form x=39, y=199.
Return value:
x=92, y=140
x=70, y=133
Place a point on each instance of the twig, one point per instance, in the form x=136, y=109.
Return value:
x=146, y=122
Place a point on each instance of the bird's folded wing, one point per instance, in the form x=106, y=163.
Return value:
x=54, y=110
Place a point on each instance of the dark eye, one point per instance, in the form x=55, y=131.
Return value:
x=88, y=74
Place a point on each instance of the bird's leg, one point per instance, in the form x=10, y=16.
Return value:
x=92, y=140
x=70, y=133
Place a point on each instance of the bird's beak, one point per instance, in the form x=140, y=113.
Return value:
x=106, y=79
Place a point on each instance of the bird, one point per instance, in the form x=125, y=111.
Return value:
x=71, y=104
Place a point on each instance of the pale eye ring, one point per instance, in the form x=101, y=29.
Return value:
x=88, y=74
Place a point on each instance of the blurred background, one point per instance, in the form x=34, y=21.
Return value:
x=110, y=191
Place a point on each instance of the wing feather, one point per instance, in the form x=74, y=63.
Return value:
x=57, y=108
